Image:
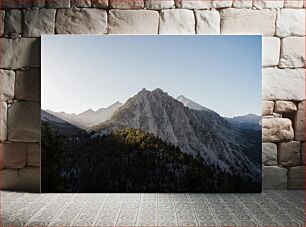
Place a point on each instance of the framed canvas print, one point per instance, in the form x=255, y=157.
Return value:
x=170, y=114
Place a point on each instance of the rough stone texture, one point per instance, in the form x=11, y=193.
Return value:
x=293, y=52
x=81, y=21
x=13, y=155
x=27, y=85
x=24, y=122
x=296, y=177
x=15, y=4
x=38, y=22
x=20, y=53
x=299, y=122
x=191, y=4
x=290, y=22
x=303, y=160
x=178, y=21
x=285, y=106
x=270, y=51
x=276, y=130
x=2, y=14
x=289, y=153
x=267, y=107
x=56, y=4
x=39, y=3
x=274, y=177
x=33, y=158
x=7, y=80
x=221, y=3
x=3, y=121
x=159, y=4
x=269, y=154
x=293, y=3
x=26, y=179
x=126, y=4
x=208, y=22
x=261, y=4
x=248, y=21
x=283, y=84
x=99, y=3
x=133, y=22
x=242, y=4
x=80, y=3
x=13, y=21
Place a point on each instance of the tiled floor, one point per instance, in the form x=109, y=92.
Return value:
x=271, y=208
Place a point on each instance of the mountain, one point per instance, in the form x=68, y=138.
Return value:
x=250, y=121
x=191, y=104
x=88, y=118
x=196, y=132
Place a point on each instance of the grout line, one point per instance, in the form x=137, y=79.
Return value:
x=213, y=214
x=117, y=219
x=81, y=210
x=101, y=211
x=194, y=215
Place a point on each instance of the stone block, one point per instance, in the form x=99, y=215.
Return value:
x=25, y=180
x=2, y=15
x=3, y=121
x=293, y=4
x=277, y=129
x=33, y=154
x=159, y=4
x=7, y=81
x=270, y=51
x=207, y=22
x=133, y=22
x=27, y=86
x=293, y=52
x=38, y=22
x=296, y=177
x=221, y=3
x=16, y=4
x=290, y=22
x=299, y=122
x=191, y=4
x=242, y=4
x=99, y=3
x=283, y=84
x=263, y=4
x=56, y=4
x=267, y=107
x=13, y=21
x=274, y=177
x=285, y=106
x=248, y=21
x=178, y=21
x=13, y=155
x=38, y=3
x=24, y=122
x=20, y=53
x=81, y=21
x=303, y=158
x=289, y=153
x=126, y=4
x=80, y=3
x=269, y=154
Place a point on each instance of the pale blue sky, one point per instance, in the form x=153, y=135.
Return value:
x=222, y=73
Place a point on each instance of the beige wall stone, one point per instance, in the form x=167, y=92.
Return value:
x=103, y=4
x=293, y=4
x=296, y=177
x=248, y=21
x=285, y=106
x=13, y=21
x=274, y=177
x=289, y=153
x=126, y=4
x=269, y=154
x=207, y=22
x=290, y=22
x=299, y=122
x=133, y=22
x=20, y=53
x=267, y=107
x=221, y=3
x=277, y=129
x=80, y=3
x=178, y=21
x=191, y=4
x=81, y=21
x=7, y=81
x=24, y=122
x=27, y=86
x=159, y=4
x=3, y=121
x=33, y=158
x=270, y=51
x=283, y=84
x=293, y=52
x=242, y=4
x=13, y=155
x=262, y=4
x=55, y=4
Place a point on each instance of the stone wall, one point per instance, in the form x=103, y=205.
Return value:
x=281, y=22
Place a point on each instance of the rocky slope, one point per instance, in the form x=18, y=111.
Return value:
x=195, y=132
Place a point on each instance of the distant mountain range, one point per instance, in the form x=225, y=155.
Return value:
x=196, y=130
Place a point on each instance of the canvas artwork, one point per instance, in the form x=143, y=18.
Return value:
x=147, y=114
